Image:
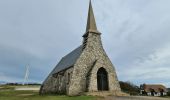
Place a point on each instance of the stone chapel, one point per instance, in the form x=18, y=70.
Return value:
x=87, y=69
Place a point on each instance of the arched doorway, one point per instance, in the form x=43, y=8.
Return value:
x=102, y=80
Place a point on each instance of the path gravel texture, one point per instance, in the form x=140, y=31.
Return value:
x=28, y=88
x=133, y=98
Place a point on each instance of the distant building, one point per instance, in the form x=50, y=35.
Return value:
x=85, y=69
x=153, y=90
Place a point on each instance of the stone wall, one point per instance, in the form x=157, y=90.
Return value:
x=83, y=75
x=57, y=84
x=84, y=72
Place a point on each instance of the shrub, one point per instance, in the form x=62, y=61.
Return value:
x=130, y=88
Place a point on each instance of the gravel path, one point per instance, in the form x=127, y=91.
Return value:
x=133, y=98
x=28, y=88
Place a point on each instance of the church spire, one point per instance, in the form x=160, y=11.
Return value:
x=91, y=23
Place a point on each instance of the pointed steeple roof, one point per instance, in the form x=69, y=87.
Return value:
x=91, y=23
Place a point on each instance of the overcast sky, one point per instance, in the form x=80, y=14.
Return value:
x=135, y=35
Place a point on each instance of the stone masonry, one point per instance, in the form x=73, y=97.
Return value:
x=77, y=72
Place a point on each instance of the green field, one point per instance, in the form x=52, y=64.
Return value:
x=31, y=95
x=8, y=93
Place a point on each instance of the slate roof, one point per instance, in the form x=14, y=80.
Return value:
x=68, y=60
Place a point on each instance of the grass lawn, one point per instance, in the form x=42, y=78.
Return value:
x=32, y=95
x=8, y=93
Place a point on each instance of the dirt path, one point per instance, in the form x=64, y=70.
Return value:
x=28, y=88
x=133, y=98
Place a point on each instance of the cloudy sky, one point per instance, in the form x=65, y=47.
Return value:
x=135, y=35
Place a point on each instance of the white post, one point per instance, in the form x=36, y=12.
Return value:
x=26, y=75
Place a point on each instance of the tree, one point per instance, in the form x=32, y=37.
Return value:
x=130, y=88
x=168, y=93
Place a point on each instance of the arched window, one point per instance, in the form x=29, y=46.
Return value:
x=68, y=78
